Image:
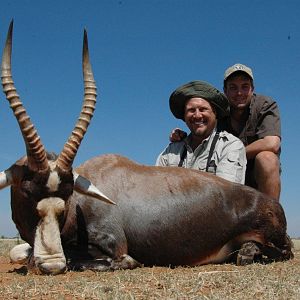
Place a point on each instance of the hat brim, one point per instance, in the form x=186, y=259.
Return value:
x=202, y=90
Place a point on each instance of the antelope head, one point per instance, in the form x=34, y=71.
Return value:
x=42, y=183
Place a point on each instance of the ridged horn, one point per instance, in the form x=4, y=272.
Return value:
x=37, y=158
x=67, y=155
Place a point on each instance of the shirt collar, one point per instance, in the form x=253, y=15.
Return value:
x=251, y=103
x=204, y=143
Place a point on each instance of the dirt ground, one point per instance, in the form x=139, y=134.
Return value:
x=279, y=280
x=9, y=272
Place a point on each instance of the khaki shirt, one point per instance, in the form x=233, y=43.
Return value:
x=263, y=120
x=228, y=160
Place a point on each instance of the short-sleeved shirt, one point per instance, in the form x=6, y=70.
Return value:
x=228, y=159
x=263, y=120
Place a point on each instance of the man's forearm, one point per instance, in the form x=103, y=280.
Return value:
x=268, y=143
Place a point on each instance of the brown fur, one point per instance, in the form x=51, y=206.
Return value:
x=172, y=215
x=164, y=216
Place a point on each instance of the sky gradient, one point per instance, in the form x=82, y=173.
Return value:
x=140, y=52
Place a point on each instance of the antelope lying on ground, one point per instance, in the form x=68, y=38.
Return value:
x=163, y=216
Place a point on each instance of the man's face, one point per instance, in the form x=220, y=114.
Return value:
x=239, y=90
x=200, y=117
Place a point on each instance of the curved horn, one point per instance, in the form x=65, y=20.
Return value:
x=67, y=155
x=37, y=159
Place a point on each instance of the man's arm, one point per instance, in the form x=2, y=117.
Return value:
x=268, y=129
x=161, y=160
x=171, y=155
x=268, y=143
x=166, y=158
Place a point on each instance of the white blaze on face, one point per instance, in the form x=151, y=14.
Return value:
x=53, y=180
x=48, y=252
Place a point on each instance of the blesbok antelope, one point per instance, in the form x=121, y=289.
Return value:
x=163, y=216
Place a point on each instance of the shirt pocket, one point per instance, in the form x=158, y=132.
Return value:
x=234, y=157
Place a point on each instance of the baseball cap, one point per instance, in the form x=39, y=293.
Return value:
x=238, y=68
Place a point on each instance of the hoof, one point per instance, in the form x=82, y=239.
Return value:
x=247, y=254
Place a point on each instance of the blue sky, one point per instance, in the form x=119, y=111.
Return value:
x=140, y=52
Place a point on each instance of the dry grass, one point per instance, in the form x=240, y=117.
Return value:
x=7, y=244
x=274, y=281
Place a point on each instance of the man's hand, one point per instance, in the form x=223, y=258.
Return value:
x=177, y=135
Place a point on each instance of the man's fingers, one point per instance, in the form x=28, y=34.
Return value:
x=177, y=135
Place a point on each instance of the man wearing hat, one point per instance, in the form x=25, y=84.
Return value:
x=207, y=147
x=255, y=120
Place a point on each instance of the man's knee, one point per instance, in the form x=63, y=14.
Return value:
x=267, y=174
x=267, y=161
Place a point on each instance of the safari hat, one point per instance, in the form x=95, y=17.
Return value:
x=199, y=89
x=238, y=68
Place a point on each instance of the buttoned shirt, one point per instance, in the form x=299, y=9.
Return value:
x=228, y=159
x=263, y=120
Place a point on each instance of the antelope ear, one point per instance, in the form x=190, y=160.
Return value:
x=85, y=187
x=5, y=179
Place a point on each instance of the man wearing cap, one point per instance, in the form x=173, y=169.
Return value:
x=207, y=147
x=255, y=120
